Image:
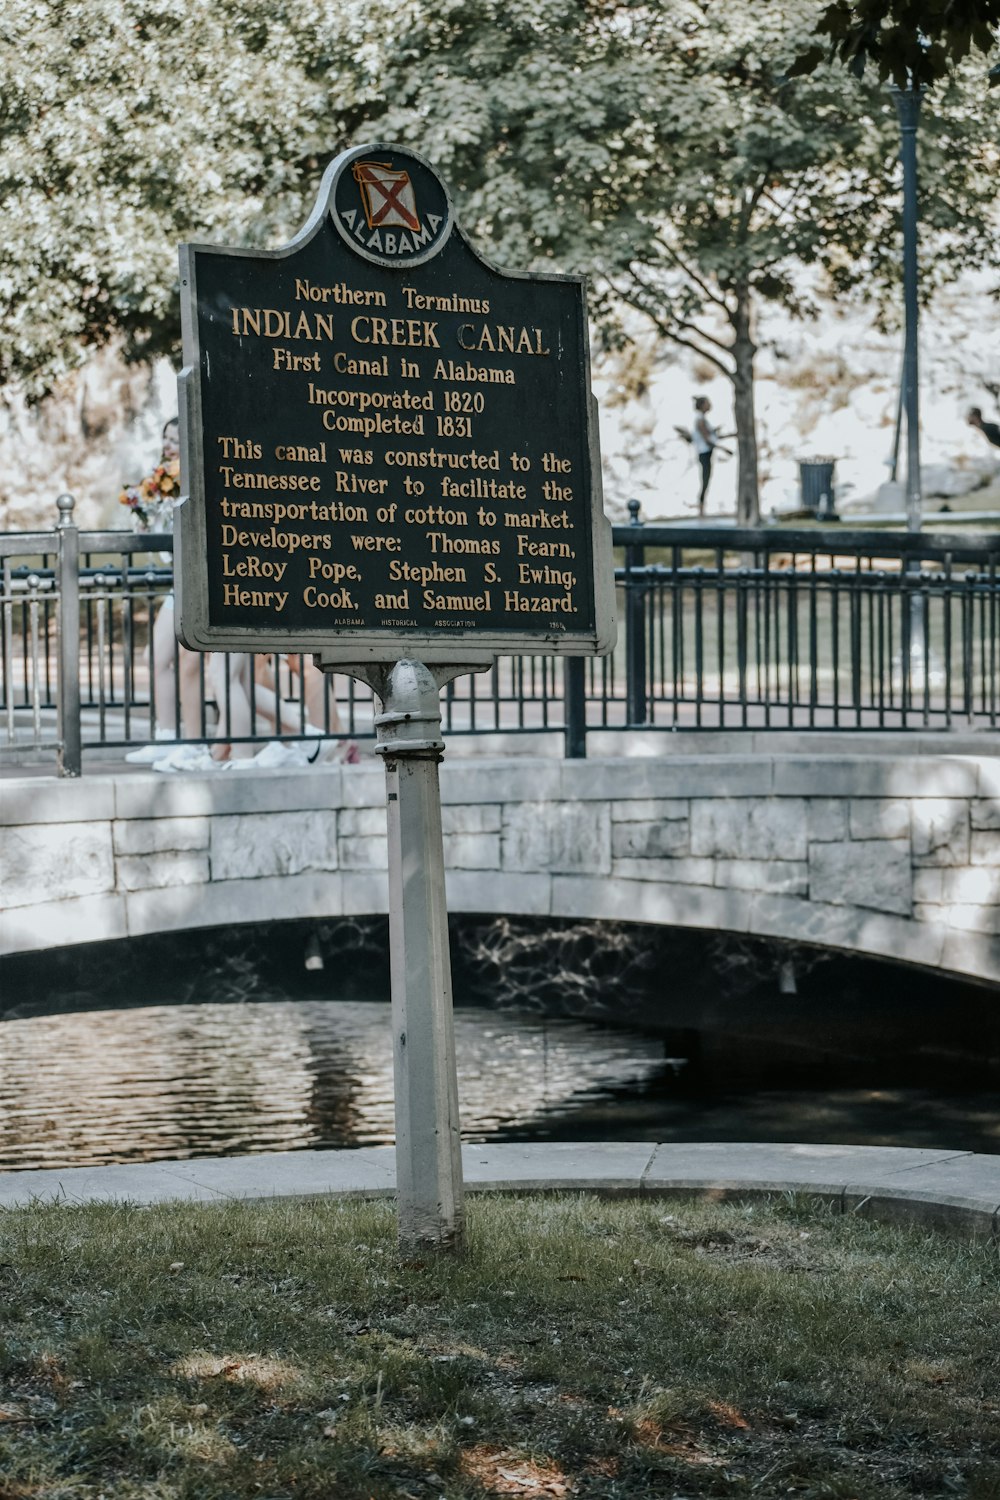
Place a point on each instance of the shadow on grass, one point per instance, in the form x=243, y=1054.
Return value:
x=581, y=1347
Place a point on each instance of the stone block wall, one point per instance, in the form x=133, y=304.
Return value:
x=892, y=856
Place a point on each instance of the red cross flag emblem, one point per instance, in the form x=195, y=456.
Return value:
x=388, y=196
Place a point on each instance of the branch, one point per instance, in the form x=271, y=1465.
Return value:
x=678, y=321
x=782, y=208
x=749, y=204
x=669, y=330
x=715, y=297
x=675, y=338
x=700, y=333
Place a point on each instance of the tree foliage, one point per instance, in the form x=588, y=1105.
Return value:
x=666, y=149
x=127, y=126
x=662, y=146
x=914, y=42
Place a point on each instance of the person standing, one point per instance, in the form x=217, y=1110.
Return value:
x=705, y=439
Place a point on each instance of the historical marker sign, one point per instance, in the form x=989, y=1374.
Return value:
x=390, y=445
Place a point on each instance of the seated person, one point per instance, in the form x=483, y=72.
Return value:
x=179, y=677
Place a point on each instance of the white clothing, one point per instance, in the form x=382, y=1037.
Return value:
x=700, y=443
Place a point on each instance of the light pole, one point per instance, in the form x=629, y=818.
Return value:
x=915, y=647
x=908, y=102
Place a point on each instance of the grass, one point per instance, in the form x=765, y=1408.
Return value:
x=582, y=1348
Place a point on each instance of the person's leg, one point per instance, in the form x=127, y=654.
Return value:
x=191, y=692
x=283, y=718
x=176, y=675
x=268, y=705
x=162, y=653
x=228, y=678
x=321, y=707
x=705, y=460
x=267, y=695
x=253, y=707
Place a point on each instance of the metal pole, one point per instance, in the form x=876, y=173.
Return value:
x=908, y=107
x=635, y=633
x=898, y=429
x=575, y=701
x=70, y=756
x=428, y=1138
x=912, y=618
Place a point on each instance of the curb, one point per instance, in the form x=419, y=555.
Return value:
x=957, y=1192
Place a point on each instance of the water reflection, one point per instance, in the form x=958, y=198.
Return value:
x=284, y=1054
x=213, y=1080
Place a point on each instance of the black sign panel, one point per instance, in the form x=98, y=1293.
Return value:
x=388, y=443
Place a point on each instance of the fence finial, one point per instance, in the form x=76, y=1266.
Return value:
x=65, y=505
x=633, y=510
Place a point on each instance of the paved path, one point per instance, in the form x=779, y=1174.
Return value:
x=954, y=1190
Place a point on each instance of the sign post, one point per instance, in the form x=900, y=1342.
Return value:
x=428, y=1136
x=390, y=461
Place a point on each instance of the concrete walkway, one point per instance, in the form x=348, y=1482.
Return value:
x=957, y=1191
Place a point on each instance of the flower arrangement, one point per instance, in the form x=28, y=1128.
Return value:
x=151, y=501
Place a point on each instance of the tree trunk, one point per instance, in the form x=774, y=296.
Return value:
x=744, y=349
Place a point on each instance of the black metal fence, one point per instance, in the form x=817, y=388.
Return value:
x=719, y=628
x=819, y=629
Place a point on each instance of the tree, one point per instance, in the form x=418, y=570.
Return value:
x=659, y=145
x=127, y=126
x=666, y=150
x=914, y=42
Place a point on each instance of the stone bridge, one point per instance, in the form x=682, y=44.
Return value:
x=889, y=855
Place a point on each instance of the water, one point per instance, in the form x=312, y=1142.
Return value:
x=167, y=1082
x=278, y=1038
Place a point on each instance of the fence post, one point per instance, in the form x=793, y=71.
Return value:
x=635, y=626
x=70, y=753
x=575, y=702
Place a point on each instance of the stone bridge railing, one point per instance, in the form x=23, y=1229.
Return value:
x=892, y=856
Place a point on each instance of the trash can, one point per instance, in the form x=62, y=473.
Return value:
x=816, y=485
